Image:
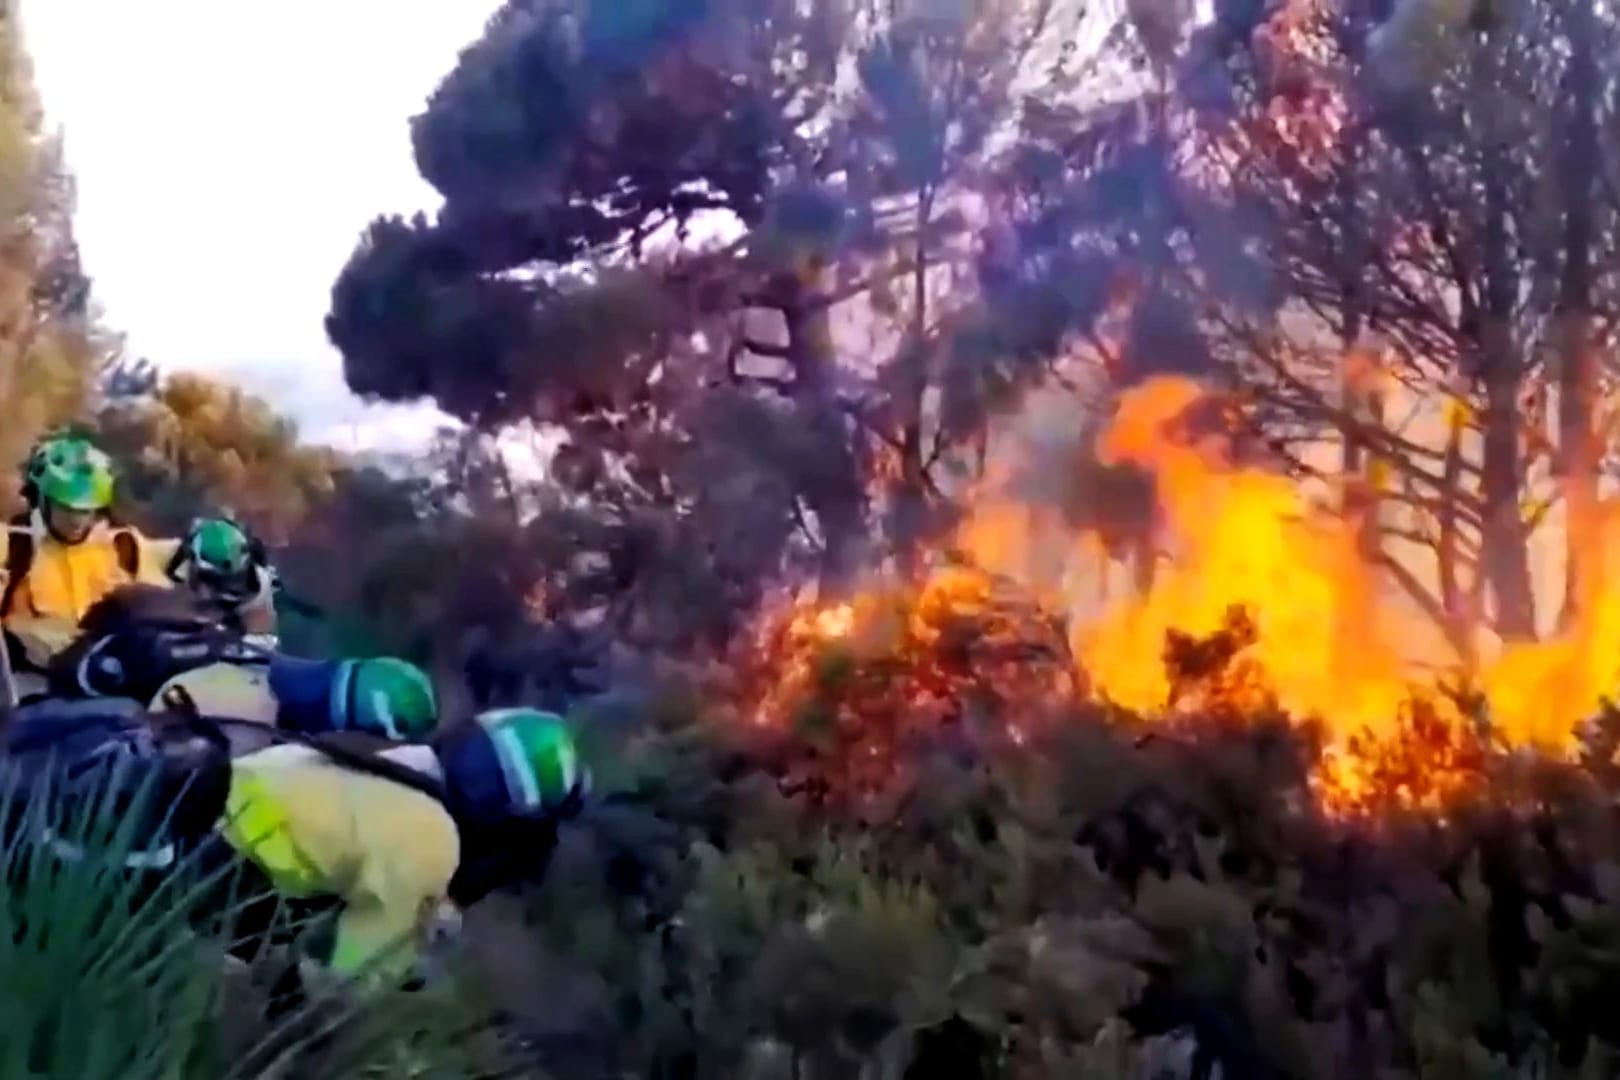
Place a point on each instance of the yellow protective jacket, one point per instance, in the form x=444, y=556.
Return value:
x=317, y=829
x=64, y=580
x=237, y=691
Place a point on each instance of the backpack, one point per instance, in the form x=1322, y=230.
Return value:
x=353, y=750
x=20, y=556
x=136, y=660
x=109, y=769
x=68, y=767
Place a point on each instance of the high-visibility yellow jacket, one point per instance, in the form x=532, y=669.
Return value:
x=317, y=829
x=63, y=581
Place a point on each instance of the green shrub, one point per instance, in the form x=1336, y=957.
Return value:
x=106, y=976
x=1100, y=903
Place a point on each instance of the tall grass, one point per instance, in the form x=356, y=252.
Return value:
x=110, y=974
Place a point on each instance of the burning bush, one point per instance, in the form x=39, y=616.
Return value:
x=849, y=699
x=853, y=691
x=1223, y=821
x=1103, y=901
x=1264, y=604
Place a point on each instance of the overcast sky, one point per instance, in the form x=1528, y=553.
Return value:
x=228, y=154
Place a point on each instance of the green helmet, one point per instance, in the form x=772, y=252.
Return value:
x=537, y=759
x=219, y=555
x=220, y=547
x=61, y=447
x=69, y=471
x=384, y=696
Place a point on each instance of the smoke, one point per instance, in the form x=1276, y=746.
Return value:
x=1051, y=513
x=1409, y=50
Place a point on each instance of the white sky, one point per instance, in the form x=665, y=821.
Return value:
x=228, y=153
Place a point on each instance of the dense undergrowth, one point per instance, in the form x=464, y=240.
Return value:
x=1107, y=904
x=1099, y=903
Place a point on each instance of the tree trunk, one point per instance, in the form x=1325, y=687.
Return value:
x=1449, y=543
x=1144, y=563
x=911, y=501
x=1360, y=403
x=833, y=489
x=1507, y=562
x=1578, y=452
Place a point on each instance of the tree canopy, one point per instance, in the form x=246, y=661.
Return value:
x=699, y=223
x=194, y=444
x=52, y=349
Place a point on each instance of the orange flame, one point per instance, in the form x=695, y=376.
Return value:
x=1320, y=638
x=1540, y=693
x=1248, y=539
x=860, y=681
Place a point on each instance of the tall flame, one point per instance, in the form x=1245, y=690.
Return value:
x=1540, y=693
x=1248, y=539
x=1320, y=636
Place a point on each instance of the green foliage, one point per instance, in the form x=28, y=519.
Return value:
x=1100, y=906
x=110, y=974
x=589, y=153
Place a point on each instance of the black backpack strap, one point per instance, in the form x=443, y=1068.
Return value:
x=171, y=569
x=19, y=558
x=128, y=550
x=369, y=760
x=361, y=755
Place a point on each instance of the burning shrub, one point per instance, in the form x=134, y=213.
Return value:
x=850, y=695
x=1106, y=900
x=1237, y=831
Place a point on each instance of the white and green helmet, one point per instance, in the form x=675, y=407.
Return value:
x=221, y=557
x=220, y=546
x=384, y=696
x=70, y=471
x=515, y=763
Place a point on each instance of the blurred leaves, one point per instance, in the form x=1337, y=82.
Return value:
x=52, y=347
x=195, y=445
